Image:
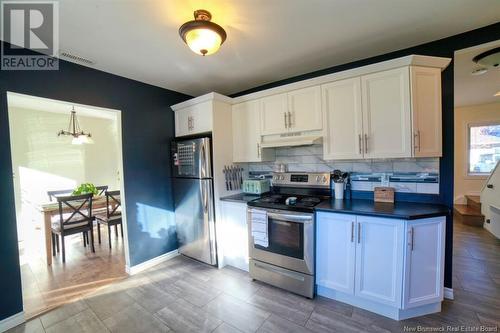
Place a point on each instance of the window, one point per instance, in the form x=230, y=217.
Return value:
x=484, y=148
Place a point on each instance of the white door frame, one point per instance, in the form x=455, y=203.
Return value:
x=120, y=162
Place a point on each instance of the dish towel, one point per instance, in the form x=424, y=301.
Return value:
x=259, y=228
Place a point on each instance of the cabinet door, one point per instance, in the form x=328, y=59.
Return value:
x=386, y=112
x=343, y=120
x=424, y=266
x=426, y=111
x=182, y=123
x=379, y=259
x=246, y=132
x=234, y=234
x=274, y=117
x=194, y=119
x=335, y=251
x=201, y=117
x=304, y=107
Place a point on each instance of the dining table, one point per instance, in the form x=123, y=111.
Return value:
x=50, y=209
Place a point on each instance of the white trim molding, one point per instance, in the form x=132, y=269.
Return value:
x=12, y=321
x=213, y=96
x=410, y=60
x=133, y=270
x=448, y=293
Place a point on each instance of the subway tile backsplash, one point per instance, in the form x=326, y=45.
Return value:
x=310, y=159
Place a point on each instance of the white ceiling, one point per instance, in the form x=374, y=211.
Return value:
x=475, y=89
x=268, y=40
x=21, y=101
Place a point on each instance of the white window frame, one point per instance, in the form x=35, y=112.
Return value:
x=476, y=175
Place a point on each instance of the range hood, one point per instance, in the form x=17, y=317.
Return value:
x=291, y=141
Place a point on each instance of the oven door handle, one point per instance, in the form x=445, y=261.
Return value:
x=304, y=219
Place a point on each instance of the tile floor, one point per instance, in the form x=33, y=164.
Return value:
x=182, y=295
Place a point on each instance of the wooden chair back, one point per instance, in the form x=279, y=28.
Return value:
x=75, y=209
x=53, y=194
x=113, y=202
x=101, y=189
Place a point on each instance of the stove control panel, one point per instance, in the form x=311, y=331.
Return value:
x=301, y=179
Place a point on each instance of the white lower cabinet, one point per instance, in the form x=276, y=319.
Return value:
x=336, y=246
x=379, y=259
x=233, y=235
x=389, y=266
x=424, y=267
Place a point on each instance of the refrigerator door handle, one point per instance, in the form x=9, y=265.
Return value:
x=203, y=163
x=204, y=196
x=209, y=216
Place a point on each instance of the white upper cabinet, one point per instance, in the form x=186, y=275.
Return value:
x=274, y=114
x=304, y=110
x=335, y=251
x=343, y=119
x=424, y=271
x=295, y=111
x=246, y=133
x=426, y=111
x=387, y=114
x=194, y=119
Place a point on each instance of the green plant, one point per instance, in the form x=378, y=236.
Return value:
x=85, y=188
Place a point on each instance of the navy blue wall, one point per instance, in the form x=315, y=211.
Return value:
x=442, y=48
x=147, y=128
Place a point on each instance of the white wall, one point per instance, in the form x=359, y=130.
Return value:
x=475, y=114
x=42, y=161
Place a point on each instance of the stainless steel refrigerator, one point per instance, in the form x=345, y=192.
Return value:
x=193, y=195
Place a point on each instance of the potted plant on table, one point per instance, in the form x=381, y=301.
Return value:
x=85, y=189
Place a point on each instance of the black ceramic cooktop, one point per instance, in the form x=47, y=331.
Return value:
x=305, y=203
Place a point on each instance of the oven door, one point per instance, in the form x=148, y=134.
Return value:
x=290, y=238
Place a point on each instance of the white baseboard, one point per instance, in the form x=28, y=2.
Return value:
x=151, y=262
x=12, y=321
x=448, y=293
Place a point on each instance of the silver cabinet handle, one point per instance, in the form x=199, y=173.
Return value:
x=366, y=143
x=289, y=119
x=360, y=144
x=192, y=123
x=412, y=238
x=419, y=146
x=352, y=232
x=417, y=139
x=359, y=232
x=286, y=124
x=258, y=149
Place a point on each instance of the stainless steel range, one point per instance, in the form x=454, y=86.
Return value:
x=281, y=231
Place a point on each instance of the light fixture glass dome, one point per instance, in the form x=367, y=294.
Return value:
x=202, y=36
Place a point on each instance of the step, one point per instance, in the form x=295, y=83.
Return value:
x=468, y=215
x=474, y=201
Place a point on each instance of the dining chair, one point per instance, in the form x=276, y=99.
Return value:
x=75, y=216
x=54, y=194
x=113, y=216
x=101, y=189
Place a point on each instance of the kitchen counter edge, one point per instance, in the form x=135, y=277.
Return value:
x=240, y=197
x=397, y=210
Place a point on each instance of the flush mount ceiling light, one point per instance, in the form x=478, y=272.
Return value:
x=201, y=35
x=479, y=71
x=490, y=58
x=74, y=130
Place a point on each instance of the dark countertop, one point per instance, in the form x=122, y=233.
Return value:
x=397, y=210
x=240, y=197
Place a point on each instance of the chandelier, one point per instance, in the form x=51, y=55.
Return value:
x=74, y=130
